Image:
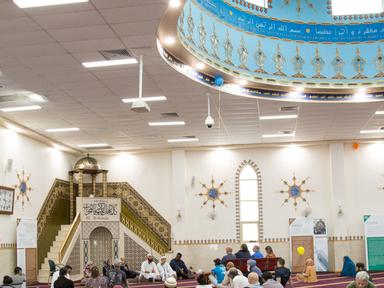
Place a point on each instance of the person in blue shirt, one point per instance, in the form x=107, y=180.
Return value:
x=257, y=254
x=217, y=273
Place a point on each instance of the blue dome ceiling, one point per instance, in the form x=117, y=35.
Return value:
x=285, y=44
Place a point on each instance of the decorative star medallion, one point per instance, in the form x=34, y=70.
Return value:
x=298, y=4
x=295, y=191
x=213, y=193
x=24, y=187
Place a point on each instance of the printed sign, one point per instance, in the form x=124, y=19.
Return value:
x=26, y=233
x=374, y=241
x=99, y=209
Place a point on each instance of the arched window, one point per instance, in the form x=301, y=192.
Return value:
x=249, y=205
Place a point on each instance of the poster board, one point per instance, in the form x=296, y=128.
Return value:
x=312, y=235
x=26, y=232
x=7, y=196
x=374, y=242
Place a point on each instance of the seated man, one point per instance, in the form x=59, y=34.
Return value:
x=165, y=269
x=129, y=273
x=361, y=267
x=361, y=281
x=217, y=273
x=229, y=256
x=256, y=253
x=227, y=280
x=283, y=274
x=19, y=278
x=269, y=282
x=179, y=266
x=149, y=270
x=253, y=280
x=55, y=275
x=116, y=276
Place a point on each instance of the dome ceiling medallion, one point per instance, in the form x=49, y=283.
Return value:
x=261, y=56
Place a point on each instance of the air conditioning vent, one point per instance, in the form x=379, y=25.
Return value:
x=189, y=137
x=116, y=54
x=288, y=108
x=100, y=148
x=170, y=115
x=286, y=132
x=381, y=128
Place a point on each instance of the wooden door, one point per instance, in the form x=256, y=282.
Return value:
x=31, y=265
x=298, y=261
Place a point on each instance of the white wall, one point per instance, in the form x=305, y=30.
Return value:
x=149, y=174
x=41, y=162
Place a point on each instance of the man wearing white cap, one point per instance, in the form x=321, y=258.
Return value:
x=165, y=269
x=149, y=269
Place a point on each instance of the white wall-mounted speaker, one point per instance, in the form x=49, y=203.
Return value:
x=9, y=165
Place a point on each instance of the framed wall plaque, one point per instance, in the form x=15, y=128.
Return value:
x=7, y=196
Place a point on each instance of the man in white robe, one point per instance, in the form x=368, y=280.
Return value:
x=149, y=270
x=165, y=269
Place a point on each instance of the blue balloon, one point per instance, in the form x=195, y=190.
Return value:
x=219, y=80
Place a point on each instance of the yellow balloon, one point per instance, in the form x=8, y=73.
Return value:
x=300, y=250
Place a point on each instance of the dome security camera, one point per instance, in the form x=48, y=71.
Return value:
x=209, y=121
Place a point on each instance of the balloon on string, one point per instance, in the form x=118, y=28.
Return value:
x=219, y=80
x=300, y=250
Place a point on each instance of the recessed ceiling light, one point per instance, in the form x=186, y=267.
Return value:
x=277, y=117
x=371, y=131
x=174, y=3
x=94, y=145
x=278, y=135
x=37, y=98
x=380, y=112
x=169, y=40
x=145, y=99
x=299, y=89
x=200, y=65
x=243, y=82
x=22, y=108
x=361, y=90
x=106, y=63
x=295, y=95
x=167, y=123
x=39, y=3
x=183, y=140
x=62, y=129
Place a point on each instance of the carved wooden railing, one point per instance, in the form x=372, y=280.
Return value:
x=68, y=239
x=49, y=223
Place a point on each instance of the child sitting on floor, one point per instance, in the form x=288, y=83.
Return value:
x=309, y=274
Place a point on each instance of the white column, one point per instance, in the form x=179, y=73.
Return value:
x=178, y=216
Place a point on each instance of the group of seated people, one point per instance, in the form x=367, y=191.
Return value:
x=17, y=280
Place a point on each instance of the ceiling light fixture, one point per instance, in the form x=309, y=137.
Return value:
x=37, y=98
x=380, y=112
x=70, y=129
x=278, y=135
x=200, y=65
x=146, y=99
x=371, y=131
x=170, y=40
x=277, y=117
x=21, y=108
x=299, y=89
x=40, y=3
x=94, y=145
x=106, y=63
x=362, y=90
x=243, y=82
x=174, y=3
x=167, y=123
x=182, y=140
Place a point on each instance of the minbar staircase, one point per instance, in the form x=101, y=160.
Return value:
x=53, y=253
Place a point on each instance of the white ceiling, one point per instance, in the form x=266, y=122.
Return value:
x=41, y=50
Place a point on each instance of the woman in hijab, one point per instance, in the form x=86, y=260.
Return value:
x=348, y=267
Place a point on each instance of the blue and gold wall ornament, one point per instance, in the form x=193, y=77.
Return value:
x=318, y=65
x=23, y=187
x=379, y=63
x=213, y=193
x=260, y=58
x=338, y=66
x=191, y=25
x=215, y=42
x=243, y=54
x=298, y=63
x=279, y=61
x=228, y=48
x=295, y=191
x=358, y=64
x=202, y=34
